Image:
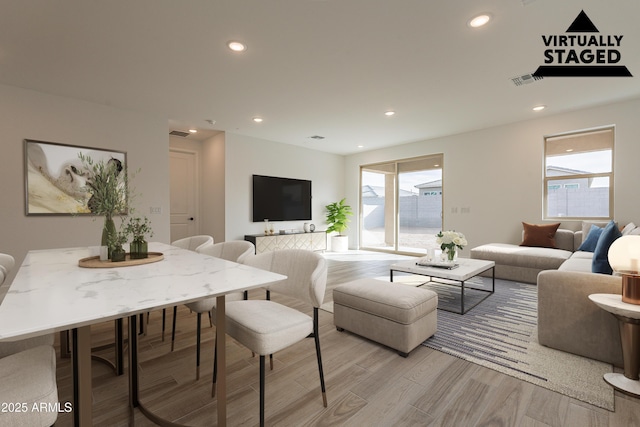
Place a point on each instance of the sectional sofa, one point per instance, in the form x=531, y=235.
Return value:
x=567, y=319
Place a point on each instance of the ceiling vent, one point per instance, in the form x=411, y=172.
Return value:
x=525, y=79
x=179, y=133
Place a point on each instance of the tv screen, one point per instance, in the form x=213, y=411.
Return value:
x=281, y=199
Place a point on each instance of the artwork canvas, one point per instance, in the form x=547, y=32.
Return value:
x=55, y=178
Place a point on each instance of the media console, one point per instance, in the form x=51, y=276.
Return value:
x=313, y=241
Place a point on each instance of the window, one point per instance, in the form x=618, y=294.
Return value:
x=578, y=177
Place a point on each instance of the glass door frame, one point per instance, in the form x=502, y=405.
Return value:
x=393, y=168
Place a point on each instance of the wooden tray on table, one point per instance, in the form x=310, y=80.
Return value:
x=94, y=261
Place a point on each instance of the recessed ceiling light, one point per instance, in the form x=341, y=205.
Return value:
x=193, y=131
x=257, y=119
x=569, y=150
x=389, y=113
x=479, y=20
x=539, y=107
x=237, y=46
x=360, y=146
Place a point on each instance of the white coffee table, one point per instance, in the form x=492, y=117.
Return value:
x=466, y=269
x=629, y=317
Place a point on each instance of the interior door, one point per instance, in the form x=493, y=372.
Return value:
x=183, y=167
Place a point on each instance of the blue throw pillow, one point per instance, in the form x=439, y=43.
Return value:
x=589, y=244
x=600, y=262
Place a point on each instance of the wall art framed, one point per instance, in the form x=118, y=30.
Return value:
x=55, y=178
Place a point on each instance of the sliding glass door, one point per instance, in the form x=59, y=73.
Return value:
x=401, y=204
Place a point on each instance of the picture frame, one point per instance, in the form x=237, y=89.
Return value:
x=54, y=177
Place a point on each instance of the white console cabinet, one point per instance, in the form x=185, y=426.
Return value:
x=312, y=241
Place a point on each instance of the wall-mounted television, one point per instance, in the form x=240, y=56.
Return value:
x=281, y=199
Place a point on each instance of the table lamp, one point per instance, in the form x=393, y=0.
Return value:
x=624, y=257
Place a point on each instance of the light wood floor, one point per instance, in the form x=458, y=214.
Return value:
x=367, y=384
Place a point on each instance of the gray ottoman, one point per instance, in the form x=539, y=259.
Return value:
x=396, y=315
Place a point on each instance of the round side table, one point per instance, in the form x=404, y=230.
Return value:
x=628, y=316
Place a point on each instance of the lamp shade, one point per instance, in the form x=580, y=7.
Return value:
x=624, y=255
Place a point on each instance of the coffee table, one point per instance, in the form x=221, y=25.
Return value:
x=465, y=270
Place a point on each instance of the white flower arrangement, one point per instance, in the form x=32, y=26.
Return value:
x=449, y=240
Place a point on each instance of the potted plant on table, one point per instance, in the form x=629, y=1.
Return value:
x=116, y=242
x=338, y=214
x=139, y=228
x=107, y=187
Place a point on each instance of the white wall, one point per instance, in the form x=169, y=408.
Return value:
x=27, y=114
x=497, y=172
x=246, y=156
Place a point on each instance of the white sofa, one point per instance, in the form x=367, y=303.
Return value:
x=567, y=319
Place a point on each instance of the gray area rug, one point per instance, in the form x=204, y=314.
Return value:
x=500, y=333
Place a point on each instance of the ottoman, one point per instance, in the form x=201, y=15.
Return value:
x=396, y=315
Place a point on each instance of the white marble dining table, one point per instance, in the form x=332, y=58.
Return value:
x=52, y=293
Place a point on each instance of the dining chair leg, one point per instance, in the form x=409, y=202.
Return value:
x=198, y=346
x=316, y=336
x=271, y=361
x=210, y=321
x=164, y=317
x=173, y=330
x=215, y=368
x=262, y=375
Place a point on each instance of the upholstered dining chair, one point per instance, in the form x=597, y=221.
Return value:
x=191, y=243
x=265, y=326
x=237, y=251
x=27, y=374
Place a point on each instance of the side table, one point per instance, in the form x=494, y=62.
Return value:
x=628, y=316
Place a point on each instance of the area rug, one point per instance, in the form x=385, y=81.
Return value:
x=500, y=334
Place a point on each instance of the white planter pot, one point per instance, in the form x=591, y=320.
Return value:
x=339, y=243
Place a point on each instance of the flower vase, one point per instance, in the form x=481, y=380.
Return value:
x=118, y=254
x=451, y=254
x=109, y=229
x=138, y=248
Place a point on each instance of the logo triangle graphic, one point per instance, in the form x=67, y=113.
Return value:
x=582, y=24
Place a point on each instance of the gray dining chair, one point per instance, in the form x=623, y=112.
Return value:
x=235, y=251
x=266, y=327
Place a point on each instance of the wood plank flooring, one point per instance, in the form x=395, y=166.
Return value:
x=367, y=384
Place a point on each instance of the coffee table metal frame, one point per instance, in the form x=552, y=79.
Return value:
x=467, y=269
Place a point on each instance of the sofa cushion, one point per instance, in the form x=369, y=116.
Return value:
x=600, y=262
x=591, y=241
x=539, y=235
x=521, y=256
x=577, y=264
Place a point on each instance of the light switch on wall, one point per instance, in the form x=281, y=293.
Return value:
x=155, y=210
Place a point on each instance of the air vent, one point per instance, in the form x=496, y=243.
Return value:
x=179, y=133
x=316, y=137
x=525, y=79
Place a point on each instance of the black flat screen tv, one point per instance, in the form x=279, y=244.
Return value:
x=281, y=199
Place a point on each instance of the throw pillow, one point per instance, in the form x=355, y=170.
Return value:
x=589, y=245
x=628, y=228
x=586, y=227
x=539, y=235
x=600, y=263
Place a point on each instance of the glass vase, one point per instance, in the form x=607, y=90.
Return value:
x=138, y=248
x=118, y=254
x=109, y=229
x=451, y=254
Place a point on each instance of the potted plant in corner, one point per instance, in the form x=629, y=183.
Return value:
x=338, y=214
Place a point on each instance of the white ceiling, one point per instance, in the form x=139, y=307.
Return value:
x=312, y=67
